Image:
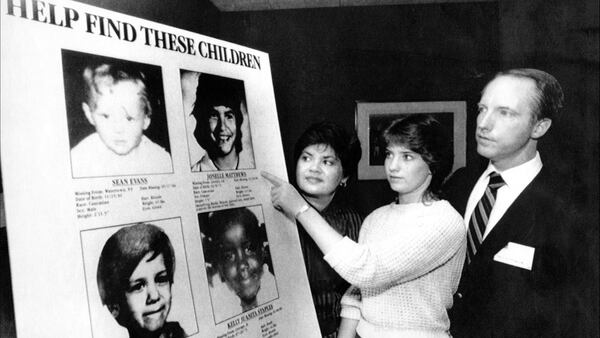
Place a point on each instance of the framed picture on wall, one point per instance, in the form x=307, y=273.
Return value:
x=373, y=117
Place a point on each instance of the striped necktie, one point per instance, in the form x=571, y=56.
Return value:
x=481, y=213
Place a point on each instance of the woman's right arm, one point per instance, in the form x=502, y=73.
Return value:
x=350, y=313
x=286, y=198
x=403, y=254
x=407, y=253
x=347, y=328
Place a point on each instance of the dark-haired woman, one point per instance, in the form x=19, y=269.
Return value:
x=409, y=256
x=326, y=157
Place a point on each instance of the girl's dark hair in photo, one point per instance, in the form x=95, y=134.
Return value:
x=219, y=221
x=214, y=91
x=345, y=145
x=214, y=225
x=121, y=254
x=424, y=135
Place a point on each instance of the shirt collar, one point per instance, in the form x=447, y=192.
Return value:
x=520, y=175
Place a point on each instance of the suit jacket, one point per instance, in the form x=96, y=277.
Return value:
x=500, y=300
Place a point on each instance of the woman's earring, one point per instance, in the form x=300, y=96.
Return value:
x=343, y=184
x=114, y=310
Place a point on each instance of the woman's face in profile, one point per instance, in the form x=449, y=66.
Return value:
x=149, y=293
x=241, y=261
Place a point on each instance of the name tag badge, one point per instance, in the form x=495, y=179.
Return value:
x=517, y=255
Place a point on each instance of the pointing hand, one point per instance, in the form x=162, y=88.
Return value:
x=284, y=196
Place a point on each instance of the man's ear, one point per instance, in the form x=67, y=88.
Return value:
x=88, y=113
x=540, y=128
x=146, y=122
x=114, y=310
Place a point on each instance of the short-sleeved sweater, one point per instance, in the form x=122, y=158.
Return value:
x=404, y=270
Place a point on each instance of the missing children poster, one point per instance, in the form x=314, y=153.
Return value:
x=131, y=157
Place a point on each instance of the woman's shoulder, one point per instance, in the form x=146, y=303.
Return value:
x=444, y=208
x=381, y=211
x=438, y=207
x=443, y=212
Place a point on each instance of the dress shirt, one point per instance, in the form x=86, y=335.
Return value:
x=516, y=179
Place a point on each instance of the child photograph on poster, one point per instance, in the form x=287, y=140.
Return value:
x=238, y=260
x=138, y=281
x=217, y=121
x=116, y=116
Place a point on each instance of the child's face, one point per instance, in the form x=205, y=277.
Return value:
x=119, y=117
x=149, y=294
x=241, y=262
x=223, y=128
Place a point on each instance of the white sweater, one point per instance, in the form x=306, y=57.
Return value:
x=404, y=270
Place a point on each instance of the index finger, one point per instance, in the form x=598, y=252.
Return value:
x=274, y=180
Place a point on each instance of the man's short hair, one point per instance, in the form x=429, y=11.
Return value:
x=550, y=97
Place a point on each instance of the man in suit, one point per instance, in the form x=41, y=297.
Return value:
x=521, y=273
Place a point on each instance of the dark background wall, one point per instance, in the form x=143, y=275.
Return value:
x=323, y=60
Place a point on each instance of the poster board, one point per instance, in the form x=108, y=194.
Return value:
x=102, y=144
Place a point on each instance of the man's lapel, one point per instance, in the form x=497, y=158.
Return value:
x=516, y=225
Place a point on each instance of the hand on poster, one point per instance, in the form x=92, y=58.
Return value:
x=284, y=196
x=287, y=199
